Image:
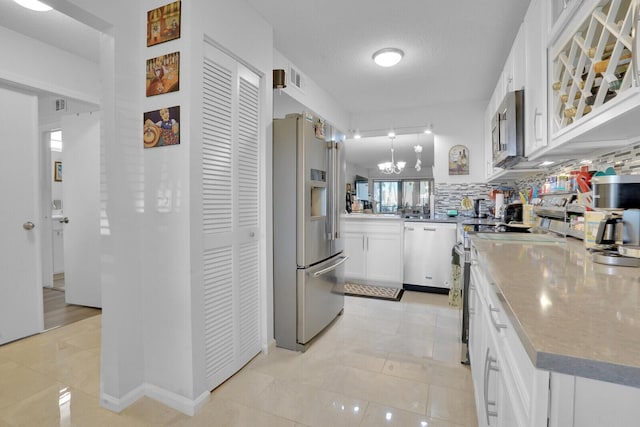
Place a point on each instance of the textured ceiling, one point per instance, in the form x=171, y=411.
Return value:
x=52, y=27
x=454, y=50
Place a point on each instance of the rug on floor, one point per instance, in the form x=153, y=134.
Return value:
x=369, y=291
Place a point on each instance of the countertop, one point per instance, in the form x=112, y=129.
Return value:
x=463, y=220
x=572, y=315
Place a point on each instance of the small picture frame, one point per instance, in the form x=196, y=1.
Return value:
x=57, y=171
x=459, y=160
x=161, y=127
x=163, y=74
x=163, y=24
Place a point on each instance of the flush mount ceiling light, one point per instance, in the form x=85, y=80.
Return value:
x=34, y=5
x=429, y=130
x=388, y=57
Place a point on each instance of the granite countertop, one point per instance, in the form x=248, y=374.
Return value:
x=572, y=315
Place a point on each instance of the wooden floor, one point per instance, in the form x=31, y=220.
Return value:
x=57, y=312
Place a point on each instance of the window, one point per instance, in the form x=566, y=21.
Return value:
x=389, y=196
x=55, y=138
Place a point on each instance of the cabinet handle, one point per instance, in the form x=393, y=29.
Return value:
x=429, y=229
x=363, y=248
x=428, y=277
x=536, y=115
x=409, y=228
x=490, y=364
x=496, y=325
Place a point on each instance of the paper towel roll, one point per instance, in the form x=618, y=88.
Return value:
x=499, y=203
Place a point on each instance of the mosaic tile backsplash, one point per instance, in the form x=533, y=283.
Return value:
x=625, y=161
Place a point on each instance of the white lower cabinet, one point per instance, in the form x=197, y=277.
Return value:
x=509, y=391
x=374, y=248
x=584, y=402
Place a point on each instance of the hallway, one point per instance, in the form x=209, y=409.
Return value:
x=381, y=363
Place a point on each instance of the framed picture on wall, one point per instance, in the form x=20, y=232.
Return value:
x=459, y=160
x=57, y=171
x=161, y=127
x=163, y=74
x=163, y=24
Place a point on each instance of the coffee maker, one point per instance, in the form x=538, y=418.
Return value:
x=618, y=234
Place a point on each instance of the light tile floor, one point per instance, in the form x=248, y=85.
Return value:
x=381, y=363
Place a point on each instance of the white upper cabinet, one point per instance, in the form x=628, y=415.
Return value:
x=518, y=62
x=535, y=59
x=593, y=93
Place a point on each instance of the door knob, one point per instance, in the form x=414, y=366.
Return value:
x=28, y=225
x=64, y=220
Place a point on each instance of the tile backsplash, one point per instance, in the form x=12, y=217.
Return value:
x=449, y=196
x=625, y=161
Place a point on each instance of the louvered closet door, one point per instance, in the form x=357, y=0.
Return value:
x=230, y=172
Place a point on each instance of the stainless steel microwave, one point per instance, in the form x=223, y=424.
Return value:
x=507, y=131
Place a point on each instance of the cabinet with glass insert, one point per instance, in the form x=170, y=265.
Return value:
x=594, y=65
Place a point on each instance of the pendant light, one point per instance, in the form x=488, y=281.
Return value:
x=391, y=167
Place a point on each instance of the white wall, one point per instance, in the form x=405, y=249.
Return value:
x=315, y=98
x=35, y=64
x=151, y=279
x=452, y=125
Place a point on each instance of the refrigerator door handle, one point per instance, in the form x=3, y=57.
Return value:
x=336, y=189
x=343, y=259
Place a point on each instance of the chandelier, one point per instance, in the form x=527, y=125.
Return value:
x=392, y=166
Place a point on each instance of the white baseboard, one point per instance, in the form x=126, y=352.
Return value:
x=269, y=346
x=179, y=403
x=120, y=404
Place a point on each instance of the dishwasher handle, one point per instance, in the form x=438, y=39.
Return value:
x=331, y=268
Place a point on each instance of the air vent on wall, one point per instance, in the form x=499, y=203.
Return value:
x=61, y=104
x=295, y=78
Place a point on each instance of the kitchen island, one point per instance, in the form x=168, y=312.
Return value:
x=577, y=322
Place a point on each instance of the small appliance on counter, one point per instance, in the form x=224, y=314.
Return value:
x=560, y=213
x=617, y=238
x=511, y=212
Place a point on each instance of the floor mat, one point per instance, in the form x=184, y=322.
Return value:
x=368, y=291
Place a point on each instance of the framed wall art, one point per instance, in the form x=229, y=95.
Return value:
x=459, y=160
x=161, y=127
x=163, y=74
x=163, y=24
x=57, y=171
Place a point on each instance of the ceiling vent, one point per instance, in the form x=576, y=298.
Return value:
x=61, y=104
x=295, y=78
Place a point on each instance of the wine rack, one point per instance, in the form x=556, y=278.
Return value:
x=594, y=66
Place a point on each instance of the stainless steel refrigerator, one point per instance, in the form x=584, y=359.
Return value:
x=308, y=259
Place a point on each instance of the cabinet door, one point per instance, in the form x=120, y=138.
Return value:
x=535, y=99
x=354, y=248
x=477, y=331
x=384, y=258
x=518, y=62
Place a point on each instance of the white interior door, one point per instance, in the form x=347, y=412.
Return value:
x=81, y=205
x=20, y=266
